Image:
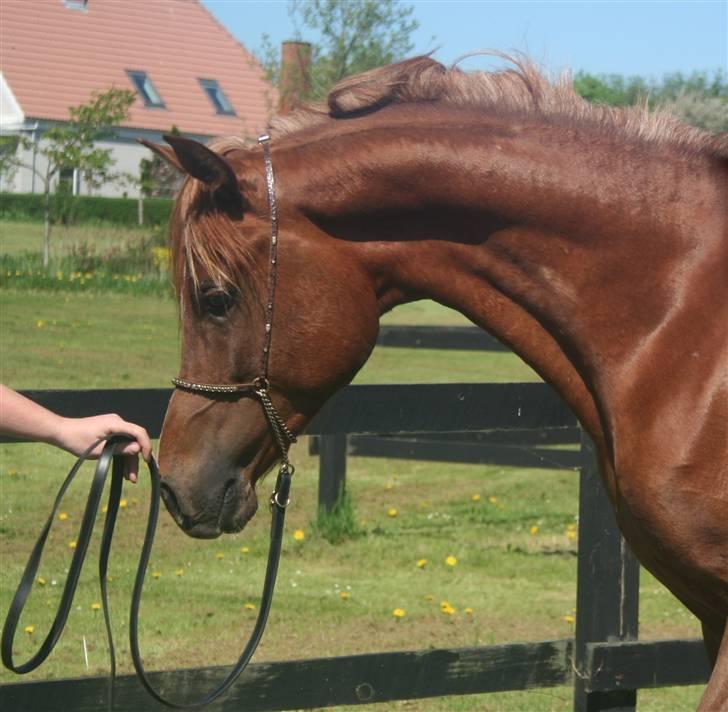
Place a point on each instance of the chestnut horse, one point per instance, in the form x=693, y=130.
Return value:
x=591, y=240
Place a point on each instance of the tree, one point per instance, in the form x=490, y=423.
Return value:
x=354, y=35
x=72, y=145
x=158, y=179
x=698, y=99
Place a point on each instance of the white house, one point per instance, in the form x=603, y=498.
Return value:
x=186, y=68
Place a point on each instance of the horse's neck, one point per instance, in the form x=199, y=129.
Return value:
x=569, y=253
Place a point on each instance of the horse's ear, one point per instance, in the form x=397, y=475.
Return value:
x=200, y=162
x=164, y=152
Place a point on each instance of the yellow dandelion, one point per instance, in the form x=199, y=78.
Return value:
x=399, y=613
x=571, y=535
x=344, y=595
x=392, y=512
x=299, y=535
x=220, y=555
x=421, y=563
x=40, y=323
x=40, y=581
x=29, y=629
x=569, y=618
x=179, y=572
x=448, y=610
x=123, y=504
x=157, y=574
x=63, y=516
x=105, y=508
x=468, y=611
x=244, y=549
x=493, y=500
x=533, y=530
x=476, y=497
x=451, y=560
x=95, y=606
x=71, y=544
x=249, y=606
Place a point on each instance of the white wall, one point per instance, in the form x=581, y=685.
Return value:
x=126, y=152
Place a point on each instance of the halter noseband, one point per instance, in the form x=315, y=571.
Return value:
x=260, y=387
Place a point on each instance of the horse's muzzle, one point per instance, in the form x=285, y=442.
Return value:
x=226, y=511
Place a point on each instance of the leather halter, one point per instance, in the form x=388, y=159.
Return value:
x=278, y=502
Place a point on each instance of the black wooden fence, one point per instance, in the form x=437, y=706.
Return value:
x=605, y=662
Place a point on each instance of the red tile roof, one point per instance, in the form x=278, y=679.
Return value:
x=53, y=57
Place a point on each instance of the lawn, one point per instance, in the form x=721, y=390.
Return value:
x=20, y=237
x=514, y=573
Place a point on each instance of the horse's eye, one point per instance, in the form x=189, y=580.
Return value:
x=217, y=302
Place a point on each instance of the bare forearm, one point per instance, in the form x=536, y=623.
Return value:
x=23, y=418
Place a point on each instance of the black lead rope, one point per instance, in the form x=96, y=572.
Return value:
x=279, y=500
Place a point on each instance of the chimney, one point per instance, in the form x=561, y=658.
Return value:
x=295, y=80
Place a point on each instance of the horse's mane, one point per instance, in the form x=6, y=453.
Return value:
x=521, y=90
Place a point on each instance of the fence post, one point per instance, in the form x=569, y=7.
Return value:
x=607, y=589
x=332, y=469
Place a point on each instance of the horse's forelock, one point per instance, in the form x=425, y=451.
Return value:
x=204, y=239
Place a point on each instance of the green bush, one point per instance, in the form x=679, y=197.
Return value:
x=337, y=524
x=21, y=206
x=85, y=209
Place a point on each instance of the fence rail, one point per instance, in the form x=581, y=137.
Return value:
x=610, y=663
x=515, y=448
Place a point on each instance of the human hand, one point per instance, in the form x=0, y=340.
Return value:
x=77, y=434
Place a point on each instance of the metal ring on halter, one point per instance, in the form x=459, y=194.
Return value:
x=274, y=500
x=261, y=383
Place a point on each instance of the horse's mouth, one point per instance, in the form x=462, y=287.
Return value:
x=237, y=506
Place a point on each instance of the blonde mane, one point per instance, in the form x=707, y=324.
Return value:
x=522, y=90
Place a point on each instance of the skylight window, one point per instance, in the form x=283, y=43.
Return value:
x=143, y=84
x=217, y=97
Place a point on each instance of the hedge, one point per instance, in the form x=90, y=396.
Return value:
x=87, y=209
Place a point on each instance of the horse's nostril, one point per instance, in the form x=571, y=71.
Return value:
x=170, y=501
x=229, y=492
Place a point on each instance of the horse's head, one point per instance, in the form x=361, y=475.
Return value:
x=216, y=446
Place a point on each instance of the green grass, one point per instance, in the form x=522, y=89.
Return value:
x=86, y=340
x=337, y=524
x=84, y=258
x=519, y=585
x=17, y=238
